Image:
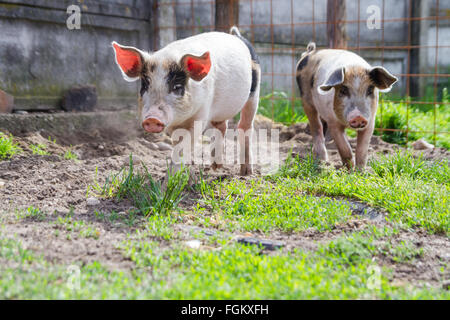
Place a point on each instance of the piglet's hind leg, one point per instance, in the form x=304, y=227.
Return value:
x=315, y=124
x=245, y=128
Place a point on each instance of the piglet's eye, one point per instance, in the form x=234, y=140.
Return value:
x=178, y=89
x=344, y=91
x=370, y=90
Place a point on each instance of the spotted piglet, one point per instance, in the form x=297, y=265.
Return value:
x=205, y=79
x=340, y=89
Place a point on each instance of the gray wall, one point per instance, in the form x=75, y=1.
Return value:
x=40, y=57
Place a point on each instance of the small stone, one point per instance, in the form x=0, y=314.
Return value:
x=2, y=183
x=262, y=122
x=168, y=140
x=193, y=244
x=446, y=284
x=6, y=102
x=90, y=202
x=78, y=153
x=421, y=144
x=164, y=146
x=153, y=146
x=266, y=244
x=81, y=98
x=210, y=233
x=20, y=112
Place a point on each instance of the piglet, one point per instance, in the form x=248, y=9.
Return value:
x=207, y=79
x=341, y=89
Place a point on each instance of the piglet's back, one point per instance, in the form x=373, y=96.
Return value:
x=227, y=51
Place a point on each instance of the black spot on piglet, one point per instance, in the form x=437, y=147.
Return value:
x=176, y=79
x=303, y=63
x=145, y=84
x=299, y=83
x=254, y=82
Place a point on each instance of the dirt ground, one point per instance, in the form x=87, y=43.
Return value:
x=58, y=187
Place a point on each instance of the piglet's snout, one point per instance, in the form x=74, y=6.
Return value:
x=358, y=122
x=153, y=125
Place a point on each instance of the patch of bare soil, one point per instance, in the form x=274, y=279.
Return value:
x=427, y=268
x=58, y=187
x=56, y=244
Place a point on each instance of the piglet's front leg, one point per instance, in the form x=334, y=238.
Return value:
x=217, y=153
x=183, y=152
x=344, y=148
x=362, y=146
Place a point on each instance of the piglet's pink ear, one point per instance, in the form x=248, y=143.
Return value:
x=129, y=61
x=197, y=67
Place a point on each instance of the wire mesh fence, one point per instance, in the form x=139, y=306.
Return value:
x=411, y=38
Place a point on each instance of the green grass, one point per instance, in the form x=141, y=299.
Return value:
x=413, y=167
x=39, y=149
x=70, y=155
x=76, y=227
x=359, y=246
x=278, y=107
x=8, y=148
x=159, y=227
x=11, y=250
x=31, y=213
x=342, y=269
x=265, y=207
x=420, y=118
x=146, y=194
x=240, y=272
x=414, y=192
